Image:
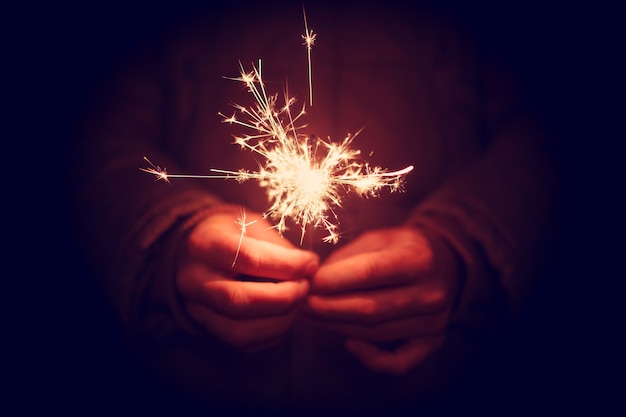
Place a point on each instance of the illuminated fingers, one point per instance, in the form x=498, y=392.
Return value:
x=383, y=287
x=378, y=259
x=238, y=299
x=219, y=243
x=248, y=315
x=240, y=280
x=361, y=272
x=264, y=259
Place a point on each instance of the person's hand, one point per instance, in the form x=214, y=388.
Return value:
x=253, y=302
x=390, y=287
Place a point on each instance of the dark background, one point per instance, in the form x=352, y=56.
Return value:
x=65, y=348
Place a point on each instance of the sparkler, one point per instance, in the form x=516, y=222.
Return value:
x=241, y=222
x=309, y=41
x=304, y=176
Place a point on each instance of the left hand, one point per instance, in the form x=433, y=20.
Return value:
x=252, y=302
x=387, y=286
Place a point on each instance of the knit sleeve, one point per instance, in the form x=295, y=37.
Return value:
x=128, y=224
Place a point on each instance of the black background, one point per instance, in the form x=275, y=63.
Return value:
x=65, y=349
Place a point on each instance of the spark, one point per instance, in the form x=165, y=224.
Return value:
x=161, y=173
x=309, y=41
x=304, y=176
x=241, y=222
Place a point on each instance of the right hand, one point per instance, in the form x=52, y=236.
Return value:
x=249, y=304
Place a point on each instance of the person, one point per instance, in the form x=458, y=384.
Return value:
x=385, y=319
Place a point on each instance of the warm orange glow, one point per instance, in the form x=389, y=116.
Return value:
x=303, y=176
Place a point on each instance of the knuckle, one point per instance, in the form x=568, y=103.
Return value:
x=232, y=301
x=238, y=297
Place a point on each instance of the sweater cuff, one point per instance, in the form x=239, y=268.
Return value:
x=142, y=278
x=162, y=310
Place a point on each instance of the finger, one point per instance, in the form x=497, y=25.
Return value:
x=370, y=241
x=247, y=255
x=264, y=259
x=420, y=326
x=376, y=259
x=397, y=362
x=369, y=270
x=243, y=334
x=379, y=306
x=255, y=250
x=244, y=299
